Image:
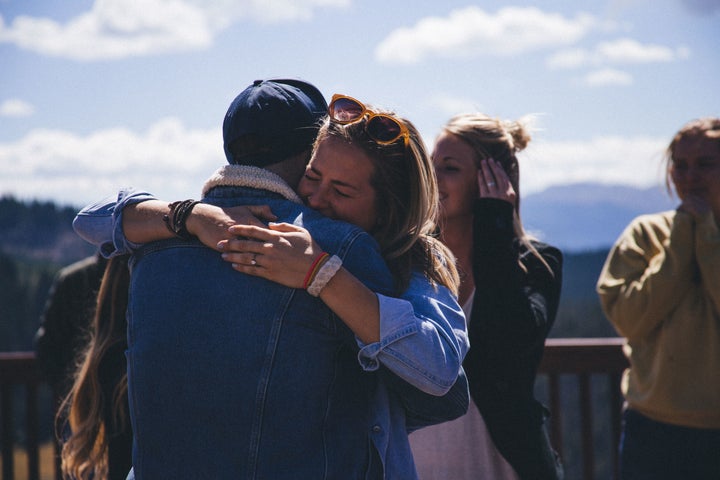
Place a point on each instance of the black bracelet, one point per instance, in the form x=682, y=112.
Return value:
x=175, y=220
x=167, y=217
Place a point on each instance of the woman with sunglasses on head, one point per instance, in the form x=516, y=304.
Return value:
x=510, y=290
x=370, y=169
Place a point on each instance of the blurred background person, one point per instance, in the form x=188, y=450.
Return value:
x=80, y=347
x=660, y=288
x=99, y=441
x=510, y=290
x=66, y=320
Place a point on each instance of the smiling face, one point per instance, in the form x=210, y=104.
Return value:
x=456, y=170
x=695, y=169
x=337, y=183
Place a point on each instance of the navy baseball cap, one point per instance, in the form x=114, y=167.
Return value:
x=271, y=120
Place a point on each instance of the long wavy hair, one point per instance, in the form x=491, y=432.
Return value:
x=407, y=203
x=500, y=140
x=85, y=452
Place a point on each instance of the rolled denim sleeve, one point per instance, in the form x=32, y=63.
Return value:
x=100, y=223
x=423, y=337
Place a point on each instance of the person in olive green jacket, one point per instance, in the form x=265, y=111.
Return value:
x=660, y=288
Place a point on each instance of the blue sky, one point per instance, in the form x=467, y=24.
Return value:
x=95, y=95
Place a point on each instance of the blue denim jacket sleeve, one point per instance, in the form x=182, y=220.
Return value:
x=100, y=223
x=422, y=409
x=423, y=337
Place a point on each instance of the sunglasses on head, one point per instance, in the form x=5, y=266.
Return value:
x=382, y=128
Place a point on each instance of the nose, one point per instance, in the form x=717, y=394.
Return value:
x=317, y=199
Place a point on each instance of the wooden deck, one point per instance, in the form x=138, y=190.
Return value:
x=571, y=371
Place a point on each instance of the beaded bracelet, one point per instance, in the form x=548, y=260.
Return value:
x=175, y=220
x=324, y=275
x=310, y=276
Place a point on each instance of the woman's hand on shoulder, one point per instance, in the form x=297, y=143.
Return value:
x=282, y=252
x=210, y=223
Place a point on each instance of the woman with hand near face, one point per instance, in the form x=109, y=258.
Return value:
x=660, y=288
x=510, y=290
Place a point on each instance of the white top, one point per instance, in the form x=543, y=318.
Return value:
x=460, y=449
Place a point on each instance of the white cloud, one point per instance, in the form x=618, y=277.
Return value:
x=472, y=31
x=569, y=58
x=14, y=107
x=633, y=161
x=173, y=162
x=269, y=11
x=167, y=159
x=626, y=50
x=448, y=105
x=606, y=77
x=616, y=52
x=115, y=29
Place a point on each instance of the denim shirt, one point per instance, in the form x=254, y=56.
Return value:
x=289, y=383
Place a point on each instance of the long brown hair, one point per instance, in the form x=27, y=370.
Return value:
x=407, y=203
x=85, y=452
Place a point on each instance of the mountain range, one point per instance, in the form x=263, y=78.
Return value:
x=588, y=216
x=577, y=218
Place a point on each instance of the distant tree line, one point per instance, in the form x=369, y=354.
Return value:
x=37, y=239
x=580, y=314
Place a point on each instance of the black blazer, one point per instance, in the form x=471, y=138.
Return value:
x=512, y=314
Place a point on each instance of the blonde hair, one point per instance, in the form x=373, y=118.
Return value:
x=700, y=127
x=500, y=140
x=407, y=203
x=85, y=453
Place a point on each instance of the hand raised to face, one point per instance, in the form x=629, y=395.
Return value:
x=493, y=182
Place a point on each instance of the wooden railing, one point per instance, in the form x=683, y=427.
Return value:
x=21, y=379
x=581, y=359
x=589, y=363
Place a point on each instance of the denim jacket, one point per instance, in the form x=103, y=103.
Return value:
x=350, y=405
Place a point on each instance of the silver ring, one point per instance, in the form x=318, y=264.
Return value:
x=253, y=261
x=490, y=184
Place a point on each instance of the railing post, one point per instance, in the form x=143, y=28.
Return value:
x=6, y=436
x=556, y=436
x=31, y=429
x=57, y=447
x=616, y=412
x=586, y=418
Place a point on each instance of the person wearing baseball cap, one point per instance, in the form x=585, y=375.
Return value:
x=272, y=120
x=235, y=376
